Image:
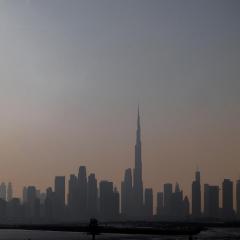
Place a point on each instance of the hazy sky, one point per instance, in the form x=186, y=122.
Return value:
x=72, y=73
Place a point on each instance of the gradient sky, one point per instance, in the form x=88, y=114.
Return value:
x=72, y=73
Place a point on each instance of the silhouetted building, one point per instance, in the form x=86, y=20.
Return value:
x=127, y=195
x=3, y=211
x=148, y=206
x=211, y=201
x=15, y=210
x=206, y=201
x=82, y=191
x=32, y=205
x=106, y=200
x=3, y=191
x=177, y=203
x=59, y=203
x=196, y=196
x=167, y=188
x=92, y=196
x=137, y=177
x=24, y=195
x=9, y=192
x=238, y=197
x=42, y=197
x=160, y=204
x=49, y=205
x=227, y=199
x=116, y=203
x=73, y=197
x=186, y=207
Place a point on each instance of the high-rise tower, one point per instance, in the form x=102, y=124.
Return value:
x=9, y=192
x=196, y=196
x=137, y=178
x=227, y=199
x=82, y=193
x=59, y=192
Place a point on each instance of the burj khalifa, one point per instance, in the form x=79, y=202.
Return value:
x=137, y=177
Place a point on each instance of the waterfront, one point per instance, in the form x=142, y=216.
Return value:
x=213, y=233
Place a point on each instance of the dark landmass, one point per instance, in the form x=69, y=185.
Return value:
x=119, y=228
x=145, y=228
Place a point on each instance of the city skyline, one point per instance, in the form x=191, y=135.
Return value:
x=73, y=72
x=137, y=186
x=83, y=196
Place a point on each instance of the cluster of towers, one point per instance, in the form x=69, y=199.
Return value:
x=86, y=199
x=209, y=206
x=211, y=200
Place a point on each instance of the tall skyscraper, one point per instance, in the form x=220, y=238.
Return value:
x=49, y=204
x=24, y=194
x=14, y=210
x=106, y=200
x=211, y=201
x=196, y=196
x=3, y=210
x=32, y=206
x=82, y=191
x=167, y=188
x=92, y=196
x=206, y=201
x=159, y=204
x=9, y=192
x=59, y=197
x=186, y=207
x=227, y=199
x=127, y=194
x=177, y=203
x=73, y=197
x=116, y=203
x=148, y=206
x=137, y=178
x=3, y=191
x=238, y=197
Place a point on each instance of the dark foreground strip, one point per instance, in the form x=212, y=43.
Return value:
x=181, y=230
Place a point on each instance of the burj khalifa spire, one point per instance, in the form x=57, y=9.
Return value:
x=137, y=181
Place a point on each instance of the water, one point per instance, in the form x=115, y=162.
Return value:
x=214, y=233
